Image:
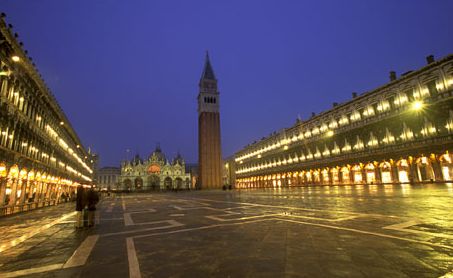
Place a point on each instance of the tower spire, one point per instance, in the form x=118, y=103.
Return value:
x=208, y=72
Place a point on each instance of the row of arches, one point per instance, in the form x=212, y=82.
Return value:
x=210, y=100
x=154, y=183
x=20, y=186
x=405, y=170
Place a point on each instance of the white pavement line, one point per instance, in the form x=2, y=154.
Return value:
x=297, y=208
x=194, y=208
x=82, y=253
x=30, y=271
x=217, y=217
x=402, y=227
x=172, y=224
x=128, y=219
x=189, y=202
x=366, y=232
x=205, y=227
x=111, y=219
x=320, y=218
x=142, y=210
x=123, y=204
x=33, y=232
x=239, y=207
x=134, y=267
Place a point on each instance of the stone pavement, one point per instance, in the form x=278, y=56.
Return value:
x=317, y=231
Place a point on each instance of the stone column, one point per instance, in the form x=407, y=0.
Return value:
x=2, y=190
x=377, y=175
x=364, y=177
x=394, y=172
x=22, y=193
x=413, y=173
x=351, y=177
x=38, y=196
x=13, y=195
x=437, y=169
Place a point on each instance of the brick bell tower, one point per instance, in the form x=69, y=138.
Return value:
x=209, y=149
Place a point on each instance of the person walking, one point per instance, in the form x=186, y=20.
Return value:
x=80, y=205
x=62, y=198
x=93, y=199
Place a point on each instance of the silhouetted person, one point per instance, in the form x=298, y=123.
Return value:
x=93, y=199
x=80, y=205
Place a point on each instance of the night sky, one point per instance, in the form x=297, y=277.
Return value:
x=126, y=72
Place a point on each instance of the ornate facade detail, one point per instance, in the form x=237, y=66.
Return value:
x=155, y=173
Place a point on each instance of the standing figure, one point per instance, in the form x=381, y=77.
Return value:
x=80, y=205
x=93, y=199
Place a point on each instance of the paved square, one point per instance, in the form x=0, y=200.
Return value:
x=317, y=231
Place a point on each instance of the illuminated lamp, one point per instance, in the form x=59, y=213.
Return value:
x=417, y=105
x=3, y=171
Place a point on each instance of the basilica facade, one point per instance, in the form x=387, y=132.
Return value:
x=155, y=173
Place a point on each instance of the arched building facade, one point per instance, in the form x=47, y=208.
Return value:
x=401, y=132
x=155, y=173
x=41, y=156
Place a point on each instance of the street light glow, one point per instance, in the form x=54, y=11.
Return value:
x=15, y=58
x=417, y=105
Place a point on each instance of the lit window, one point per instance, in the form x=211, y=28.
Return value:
x=315, y=131
x=343, y=120
x=333, y=124
x=369, y=111
x=355, y=116
x=400, y=99
x=383, y=106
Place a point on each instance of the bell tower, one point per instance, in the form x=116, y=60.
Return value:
x=209, y=149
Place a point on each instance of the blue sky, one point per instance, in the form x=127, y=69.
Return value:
x=126, y=72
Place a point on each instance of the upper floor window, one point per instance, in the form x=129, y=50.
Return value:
x=333, y=124
x=419, y=94
x=383, y=105
x=343, y=120
x=355, y=116
x=315, y=130
x=400, y=99
x=368, y=111
x=432, y=88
